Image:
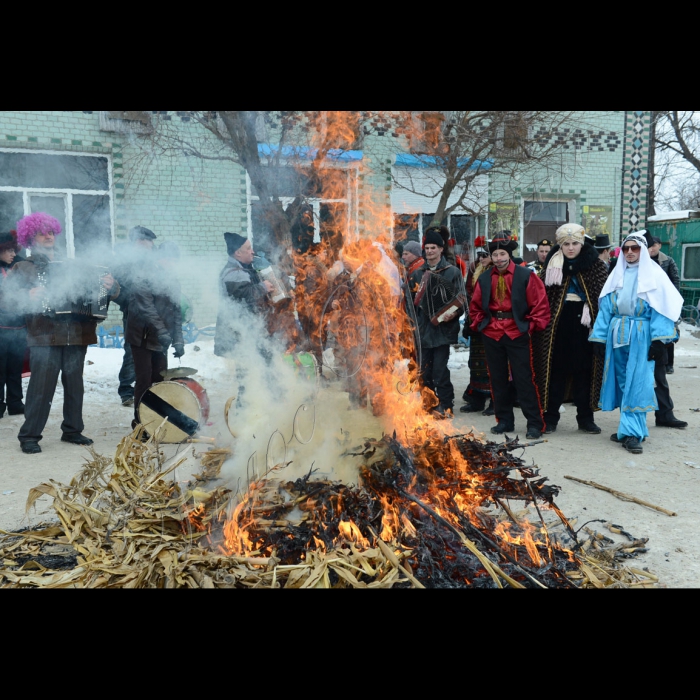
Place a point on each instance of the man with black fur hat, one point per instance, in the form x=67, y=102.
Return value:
x=128, y=257
x=573, y=277
x=509, y=305
x=239, y=282
x=437, y=283
x=543, y=248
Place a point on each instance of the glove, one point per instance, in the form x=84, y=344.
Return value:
x=656, y=351
x=165, y=341
x=599, y=350
x=179, y=349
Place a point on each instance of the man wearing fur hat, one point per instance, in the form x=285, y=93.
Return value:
x=58, y=344
x=508, y=306
x=239, y=282
x=437, y=284
x=13, y=333
x=566, y=369
x=637, y=310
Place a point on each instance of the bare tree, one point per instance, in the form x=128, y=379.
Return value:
x=676, y=137
x=461, y=146
x=298, y=139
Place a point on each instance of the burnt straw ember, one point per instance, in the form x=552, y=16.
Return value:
x=439, y=515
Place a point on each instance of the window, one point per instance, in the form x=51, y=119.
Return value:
x=690, y=269
x=73, y=188
x=327, y=197
x=425, y=133
x=545, y=211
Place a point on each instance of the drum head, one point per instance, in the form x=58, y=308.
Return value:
x=177, y=403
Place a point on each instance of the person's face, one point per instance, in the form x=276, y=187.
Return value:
x=631, y=251
x=43, y=240
x=245, y=253
x=500, y=258
x=8, y=255
x=433, y=253
x=604, y=255
x=542, y=252
x=408, y=258
x=484, y=259
x=654, y=249
x=571, y=249
x=144, y=243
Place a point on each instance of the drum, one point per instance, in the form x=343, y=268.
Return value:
x=199, y=392
x=180, y=401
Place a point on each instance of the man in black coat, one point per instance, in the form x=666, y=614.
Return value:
x=13, y=333
x=436, y=284
x=665, y=417
x=128, y=257
x=154, y=322
x=668, y=265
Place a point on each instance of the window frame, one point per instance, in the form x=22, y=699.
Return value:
x=65, y=192
x=315, y=202
x=684, y=248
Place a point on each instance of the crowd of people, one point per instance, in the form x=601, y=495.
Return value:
x=576, y=324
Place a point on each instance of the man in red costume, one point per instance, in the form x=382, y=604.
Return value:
x=508, y=305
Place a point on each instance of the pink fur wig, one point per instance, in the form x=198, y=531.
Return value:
x=28, y=226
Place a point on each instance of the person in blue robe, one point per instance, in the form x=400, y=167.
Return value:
x=636, y=315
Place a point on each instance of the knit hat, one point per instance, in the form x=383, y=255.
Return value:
x=503, y=240
x=233, y=242
x=414, y=248
x=433, y=237
x=8, y=241
x=567, y=232
x=141, y=233
x=28, y=226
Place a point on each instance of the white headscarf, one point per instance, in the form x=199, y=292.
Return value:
x=653, y=284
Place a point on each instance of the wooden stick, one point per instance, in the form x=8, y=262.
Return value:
x=621, y=496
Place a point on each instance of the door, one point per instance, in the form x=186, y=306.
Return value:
x=541, y=219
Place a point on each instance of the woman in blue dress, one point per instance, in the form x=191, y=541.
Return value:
x=637, y=309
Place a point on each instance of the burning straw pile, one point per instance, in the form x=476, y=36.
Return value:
x=439, y=515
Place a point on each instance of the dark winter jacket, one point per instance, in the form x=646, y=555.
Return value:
x=668, y=265
x=154, y=309
x=240, y=289
x=9, y=316
x=44, y=328
x=433, y=299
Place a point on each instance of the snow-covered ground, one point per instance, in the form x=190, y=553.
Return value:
x=666, y=474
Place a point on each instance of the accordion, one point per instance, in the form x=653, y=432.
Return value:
x=74, y=288
x=441, y=300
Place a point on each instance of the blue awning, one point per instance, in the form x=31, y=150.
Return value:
x=421, y=161
x=269, y=150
